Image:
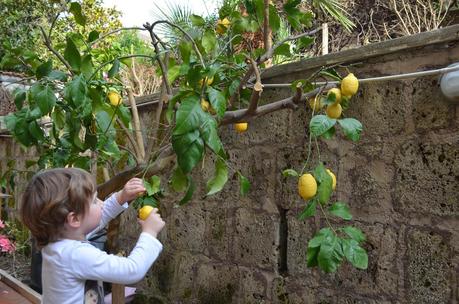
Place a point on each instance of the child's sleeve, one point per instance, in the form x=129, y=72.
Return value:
x=110, y=210
x=90, y=263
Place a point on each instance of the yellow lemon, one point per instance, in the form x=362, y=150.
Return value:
x=144, y=212
x=222, y=25
x=337, y=93
x=316, y=104
x=205, y=105
x=349, y=85
x=241, y=127
x=209, y=81
x=307, y=186
x=333, y=178
x=334, y=110
x=114, y=97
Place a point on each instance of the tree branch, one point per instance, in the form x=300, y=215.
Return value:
x=116, y=31
x=257, y=89
x=136, y=123
x=56, y=53
x=164, y=160
x=151, y=27
x=267, y=33
x=287, y=103
x=118, y=58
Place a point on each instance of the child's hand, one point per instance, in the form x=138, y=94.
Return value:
x=133, y=188
x=153, y=224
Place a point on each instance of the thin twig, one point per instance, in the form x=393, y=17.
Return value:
x=257, y=88
x=56, y=53
x=116, y=31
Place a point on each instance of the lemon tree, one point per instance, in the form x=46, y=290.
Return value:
x=76, y=111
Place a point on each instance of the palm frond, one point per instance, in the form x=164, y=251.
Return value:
x=335, y=9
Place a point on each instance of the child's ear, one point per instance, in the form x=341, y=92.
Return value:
x=73, y=220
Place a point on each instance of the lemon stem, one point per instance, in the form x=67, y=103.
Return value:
x=326, y=218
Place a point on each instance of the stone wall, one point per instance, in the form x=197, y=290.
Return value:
x=400, y=181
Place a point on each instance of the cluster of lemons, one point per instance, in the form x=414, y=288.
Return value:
x=348, y=88
x=307, y=185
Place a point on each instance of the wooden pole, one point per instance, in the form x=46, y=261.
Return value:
x=324, y=38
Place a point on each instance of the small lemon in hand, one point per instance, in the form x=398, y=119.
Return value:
x=334, y=110
x=114, y=98
x=333, y=178
x=241, y=127
x=337, y=93
x=144, y=212
x=349, y=85
x=307, y=186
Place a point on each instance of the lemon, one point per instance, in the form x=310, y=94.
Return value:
x=349, y=85
x=316, y=104
x=241, y=127
x=337, y=93
x=222, y=25
x=307, y=186
x=334, y=110
x=144, y=212
x=205, y=105
x=114, y=97
x=333, y=178
x=209, y=81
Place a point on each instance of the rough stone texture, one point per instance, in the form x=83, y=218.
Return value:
x=429, y=268
x=400, y=182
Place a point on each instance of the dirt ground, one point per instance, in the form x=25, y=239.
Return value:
x=17, y=265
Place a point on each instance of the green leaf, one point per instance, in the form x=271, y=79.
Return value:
x=103, y=120
x=72, y=55
x=283, y=49
x=355, y=254
x=189, y=148
x=320, y=237
x=341, y=210
x=218, y=101
x=93, y=36
x=20, y=96
x=234, y=86
x=114, y=69
x=87, y=66
x=58, y=75
x=330, y=256
x=209, y=41
x=311, y=256
x=209, y=133
x=244, y=184
x=304, y=42
x=155, y=182
x=309, y=210
x=324, y=190
x=274, y=19
x=354, y=233
x=76, y=90
x=329, y=134
x=351, y=127
x=189, y=115
x=179, y=180
x=173, y=73
x=320, y=124
x=197, y=20
x=189, y=192
x=36, y=131
x=44, y=96
x=290, y=172
x=44, y=69
x=150, y=201
x=75, y=9
x=185, y=51
x=220, y=178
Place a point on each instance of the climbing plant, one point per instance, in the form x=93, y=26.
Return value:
x=73, y=113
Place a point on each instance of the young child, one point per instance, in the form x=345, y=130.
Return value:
x=61, y=209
